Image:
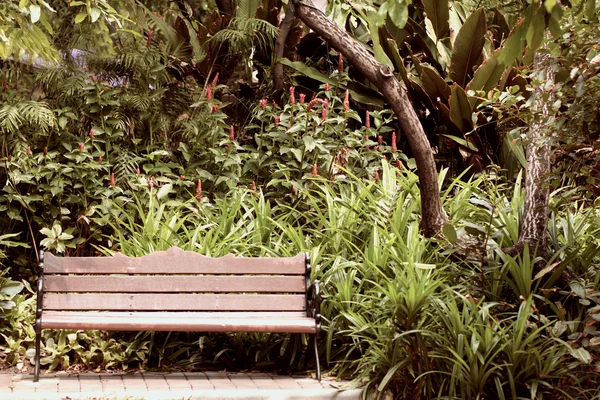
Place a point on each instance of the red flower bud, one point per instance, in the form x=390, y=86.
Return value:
x=340, y=64
x=315, y=170
x=277, y=120
x=399, y=164
x=394, y=148
x=302, y=97
x=215, y=80
x=92, y=133
x=263, y=103
x=324, y=114
x=137, y=171
x=377, y=176
x=380, y=139
x=81, y=147
x=253, y=186
x=149, y=41
x=199, y=190
x=327, y=87
x=215, y=108
x=112, y=179
x=376, y=148
x=231, y=133
x=100, y=160
x=28, y=150
x=367, y=120
x=209, y=94
x=292, y=97
x=182, y=177
x=45, y=151
x=9, y=158
x=294, y=191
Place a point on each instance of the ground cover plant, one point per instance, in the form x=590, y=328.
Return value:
x=137, y=128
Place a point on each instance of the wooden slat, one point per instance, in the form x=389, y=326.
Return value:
x=192, y=302
x=203, y=322
x=173, y=261
x=171, y=283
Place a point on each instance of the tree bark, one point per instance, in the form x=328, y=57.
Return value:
x=284, y=30
x=433, y=216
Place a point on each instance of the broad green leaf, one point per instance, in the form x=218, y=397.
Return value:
x=590, y=9
x=468, y=47
x=499, y=28
x=439, y=14
x=450, y=233
x=309, y=143
x=80, y=17
x=460, y=109
x=535, y=31
x=94, y=14
x=34, y=11
x=462, y=142
x=10, y=288
x=434, y=85
x=377, y=49
x=163, y=191
x=513, y=47
x=581, y=354
x=488, y=74
x=549, y=4
x=398, y=12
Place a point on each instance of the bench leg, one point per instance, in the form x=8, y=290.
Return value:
x=317, y=357
x=38, y=338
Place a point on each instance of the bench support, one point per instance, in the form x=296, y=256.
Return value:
x=38, y=318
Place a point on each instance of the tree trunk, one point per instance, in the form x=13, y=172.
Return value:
x=534, y=228
x=284, y=30
x=433, y=216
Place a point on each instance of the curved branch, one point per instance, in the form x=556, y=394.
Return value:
x=396, y=95
x=284, y=30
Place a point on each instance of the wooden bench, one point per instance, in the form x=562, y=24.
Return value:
x=177, y=290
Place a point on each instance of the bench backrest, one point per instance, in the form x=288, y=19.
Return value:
x=175, y=280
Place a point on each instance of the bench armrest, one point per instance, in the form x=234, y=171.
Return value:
x=313, y=300
x=40, y=290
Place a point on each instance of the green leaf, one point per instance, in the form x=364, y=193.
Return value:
x=513, y=47
x=309, y=143
x=468, y=47
x=35, y=12
x=80, y=17
x=590, y=9
x=488, y=74
x=460, y=109
x=535, y=31
x=450, y=233
x=164, y=190
x=398, y=12
x=581, y=354
x=549, y=4
x=462, y=142
x=10, y=288
x=434, y=85
x=94, y=14
x=377, y=49
x=439, y=15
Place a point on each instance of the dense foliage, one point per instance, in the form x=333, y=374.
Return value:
x=133, y=128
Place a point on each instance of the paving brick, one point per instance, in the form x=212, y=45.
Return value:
x=69, y=384
x=134, y=383
x=242, y=381
x=264, y=381
x=286, y=382
x=90, y=383
x=155, y=382
x=177, y=381
x=199, y=381
x=112, y=383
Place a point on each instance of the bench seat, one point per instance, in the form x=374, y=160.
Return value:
x=276, y=322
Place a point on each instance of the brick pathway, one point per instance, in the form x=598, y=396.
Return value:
x=154, y=386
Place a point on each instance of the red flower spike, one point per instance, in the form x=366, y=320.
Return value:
x=263, y=103
x=327, y=87
x=81, y=147
x=149, y=41
x=394, y=148
x=302, y=97
x=292, y=97
x=9, y=158
x=209, y=94
x=28, y=150
x=182, y=177
x=399, y=164
x=45, y=151
x=199, y=190
x=112, y=179
x=253, y=186
x=377, y=176
x=215, y=80
x=100, y=160
x=324, y=114
x=92, y=133
x=376, y=148
x=231, y=133
x=215, y=108
x=315, y=170
x=137, y=171
x=380, y=139
x=277, y=120
x=340, y=63
x=367, y=120
x=294, y=192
